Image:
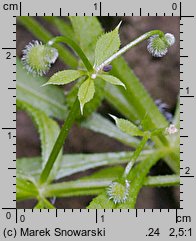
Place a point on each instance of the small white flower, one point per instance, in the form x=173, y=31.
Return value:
x=93, y=76
x=37, y=58
x=171, y=129
x=118, y=191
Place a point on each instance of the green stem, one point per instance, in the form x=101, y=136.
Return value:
x=59, y=142
x=129, y=46
x=137, y=177
x=75, y=47
x=136, y=154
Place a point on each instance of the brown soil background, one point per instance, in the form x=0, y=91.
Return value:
x=159, y=76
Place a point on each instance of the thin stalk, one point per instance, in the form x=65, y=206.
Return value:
x=137, y=177
x=129, y=46
x=136, y=154
x=75, y=47
x=59, y=142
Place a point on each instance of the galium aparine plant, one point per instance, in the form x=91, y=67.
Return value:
x=37, y=60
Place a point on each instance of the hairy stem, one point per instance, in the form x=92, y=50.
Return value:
x=59, y=142
x=75, y=47
x=135, y=155
x=129, y=46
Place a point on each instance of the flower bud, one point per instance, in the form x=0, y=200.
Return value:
x=158, y=46
x=37, y=58
x=107, y=68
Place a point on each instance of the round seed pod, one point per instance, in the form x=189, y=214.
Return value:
x=37, y=58
x=118, y=191
x=158, y=46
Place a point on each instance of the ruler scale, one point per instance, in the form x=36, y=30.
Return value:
x=143, y=224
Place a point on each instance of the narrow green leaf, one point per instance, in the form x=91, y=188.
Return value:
x=25, y=188
x=90, y=185
x=44, y=204
x=137, y=95
x=74, y=163
x=127, y=127
x=39, y=205
x=49, y=99
x=137, y=177
x=63, y=26
x=101, y=125
x=64, y=77
x=86, y=92
x=162, y=181
x=31, y=166
x=116, y=98
x=111, y=79
x=101, y=202
x=106, y=46
x=48, y=130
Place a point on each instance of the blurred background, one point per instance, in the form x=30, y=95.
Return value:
x=159, y=76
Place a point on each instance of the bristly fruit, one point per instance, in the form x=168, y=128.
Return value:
x=118, y=191
x=37, y=58
x=158, y=45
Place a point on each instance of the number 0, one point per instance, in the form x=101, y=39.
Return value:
x=174, y=6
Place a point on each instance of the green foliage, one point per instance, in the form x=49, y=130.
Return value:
x=44, y=204
x=87, y=30
x=34, y=175
x=106, y=46
x=25, y=188
x=86, y=92
x=48, y=132
x=101, y=125
x=49, y=99
x=91, y=106
x=74, y=163
x=127, y=127
x=112, y=80
x=64, y=77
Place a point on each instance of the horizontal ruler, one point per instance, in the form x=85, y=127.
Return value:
x=27, y=8
x=110, y=224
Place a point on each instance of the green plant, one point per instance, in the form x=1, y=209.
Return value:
x=115, y=187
